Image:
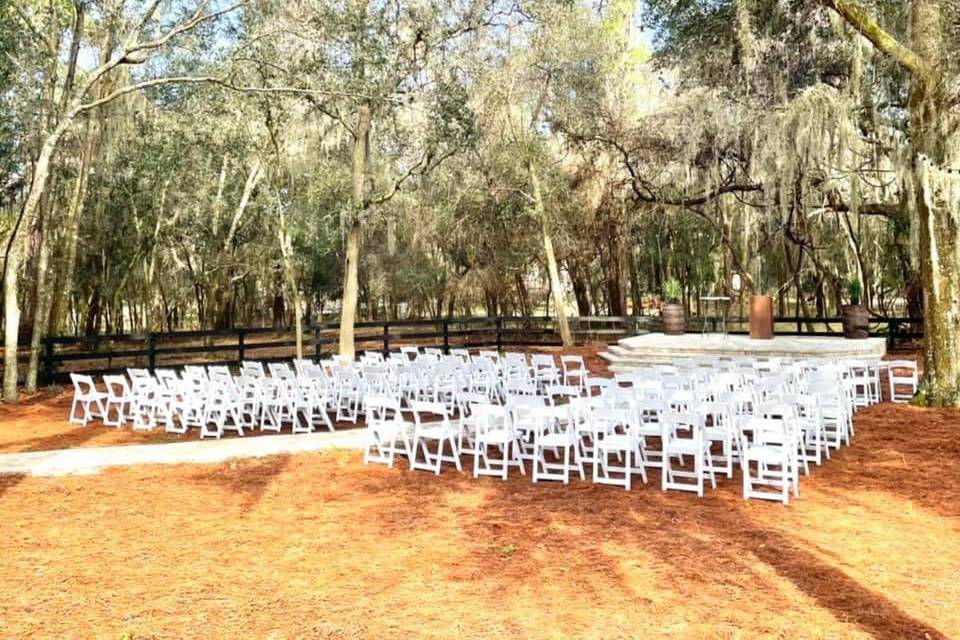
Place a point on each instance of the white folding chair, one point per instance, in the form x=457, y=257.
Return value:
x=902, y=374
x=438, y=429
x=682, y=435
x=387, y=432
x=721, y=431
x=222, y=410
x=119, y=401
x=493, y=429
x=766, y=460
x=575, y=371
x=252, y=369
x=621, y=438
x=87, y=398
x=554, y=430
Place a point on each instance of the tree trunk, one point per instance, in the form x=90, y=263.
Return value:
x=581, y=289
x=348, y=311
x=44, y=298
x=939, y=225
x=17, y=247
x=556, y=287
x=286, y=252
x=636, y=295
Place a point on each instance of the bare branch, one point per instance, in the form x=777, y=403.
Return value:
x=427, y=166
x=203, y=79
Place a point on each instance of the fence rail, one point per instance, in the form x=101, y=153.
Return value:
x=63, y=355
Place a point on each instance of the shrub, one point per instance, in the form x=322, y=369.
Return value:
x=854, y=290
x=672, y=290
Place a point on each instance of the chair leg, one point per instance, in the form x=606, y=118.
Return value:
x=698, y=464
x=476, y=461
x=627, y=472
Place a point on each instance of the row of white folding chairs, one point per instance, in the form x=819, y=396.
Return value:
x=210, y=399
x=428, y=379
x=808, y=442
x=585, y=432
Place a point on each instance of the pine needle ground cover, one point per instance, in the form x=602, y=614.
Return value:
x=319, y=545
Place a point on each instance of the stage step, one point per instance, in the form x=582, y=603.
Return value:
x=653, y=349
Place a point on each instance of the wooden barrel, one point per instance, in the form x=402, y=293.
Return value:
x=856, y=322
x=673, y=319
x=761, y=317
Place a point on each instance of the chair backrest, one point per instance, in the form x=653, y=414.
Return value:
x=676, y=425
x=519, y=387
x=903, y=370
x=82, y=384
x=767, y=431
x=531, y=400
x=466, y=399
x=424, y=410
x=571, y=362
x=199, y=373
x=139, y=374
x=252, y=369
x=487, y=417
x=558, y=392
x=218, y=369
x=607, y=420
x=649, y=411
x=542, y=361
x=168, y=378
x=719, y=412
x=493, y=356
x=380, y=408
x=117, y=387
x=302, y=365
x=777, y=408
x=279, y=370
x=598, y=385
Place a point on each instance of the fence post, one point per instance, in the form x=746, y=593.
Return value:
x=499, y=323
x=893, y=328
x=446, y=336
x=48, y=361
x=241, y=347
x=317, y=344
x=386, y=338
x=151, y=351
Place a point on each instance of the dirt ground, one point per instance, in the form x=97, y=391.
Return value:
x=319, y=545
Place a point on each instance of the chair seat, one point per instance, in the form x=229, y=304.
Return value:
x=762, y=453
x=391, y=428
x=496, y=436
x=716, y=433
x=555, y=440
x=683, y=446
x=437, y=432
x=616, y=442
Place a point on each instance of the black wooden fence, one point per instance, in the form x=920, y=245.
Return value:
x=63, y=355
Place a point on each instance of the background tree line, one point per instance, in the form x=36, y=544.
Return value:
x=171, y=164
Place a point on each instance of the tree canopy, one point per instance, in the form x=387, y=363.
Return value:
x=172, y=164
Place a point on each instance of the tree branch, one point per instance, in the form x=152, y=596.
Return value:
x=703, y=198
x=858, y=18
x=202, y=79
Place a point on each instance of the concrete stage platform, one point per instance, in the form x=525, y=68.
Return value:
x=657, y=348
